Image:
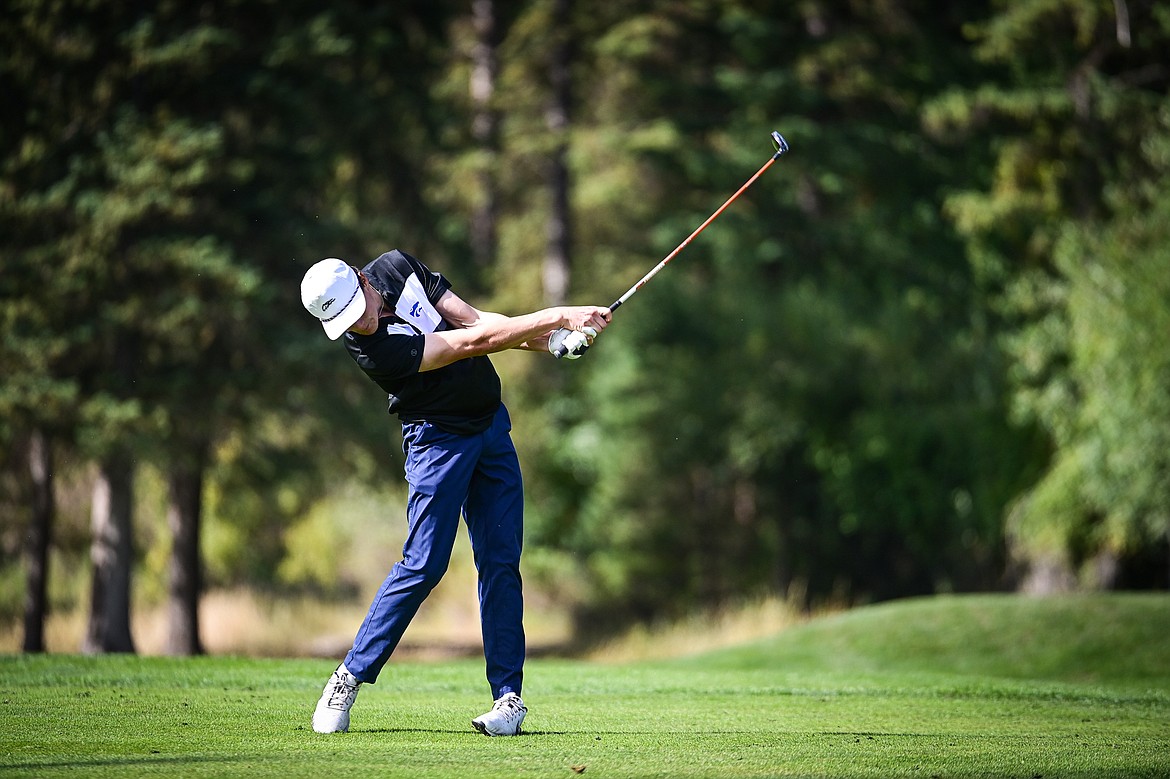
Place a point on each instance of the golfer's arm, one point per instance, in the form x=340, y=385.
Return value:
x=461, y=314
x=483, y=332
x=487, y=337
x=536, y=344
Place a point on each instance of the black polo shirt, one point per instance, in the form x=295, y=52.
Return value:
x=461, y=397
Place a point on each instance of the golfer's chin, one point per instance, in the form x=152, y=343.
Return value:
x=364, y=327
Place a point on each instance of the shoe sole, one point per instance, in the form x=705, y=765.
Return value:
x=482, y=728
x=330, y=728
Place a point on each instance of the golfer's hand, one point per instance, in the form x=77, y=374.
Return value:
x=581, y=326
x=579, y=317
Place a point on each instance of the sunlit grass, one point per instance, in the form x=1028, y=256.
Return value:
x=951, y=687
x=703, y=631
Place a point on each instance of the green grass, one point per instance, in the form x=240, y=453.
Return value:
x=960, y=686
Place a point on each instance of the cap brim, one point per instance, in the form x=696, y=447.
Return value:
x=335, y=327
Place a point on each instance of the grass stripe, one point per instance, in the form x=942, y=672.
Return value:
x=887, y=691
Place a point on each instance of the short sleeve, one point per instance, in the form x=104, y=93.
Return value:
x=392, y=269
x=434, y=283
x=390, y=355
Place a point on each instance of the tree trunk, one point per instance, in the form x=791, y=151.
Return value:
x=1048, y=575
x=555, y=274
x=184, y=513
x=485, y=130
x=112, y=555
x=36, y=549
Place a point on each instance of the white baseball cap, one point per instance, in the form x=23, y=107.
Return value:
x=331, y=292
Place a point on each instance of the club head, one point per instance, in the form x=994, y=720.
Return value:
x=779, y=142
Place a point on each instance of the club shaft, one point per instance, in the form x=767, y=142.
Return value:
x=666, y=260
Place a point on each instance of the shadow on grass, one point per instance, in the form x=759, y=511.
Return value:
x=125, y=760
x=436, y=731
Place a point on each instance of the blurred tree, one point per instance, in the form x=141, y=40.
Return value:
x=485, y=129
x=158, y=165
x=38, y=394
x=111, y=554
x=185, y=482
x=814, y=396
x=36, y=550
x=811, y=396
x=1066, y=236
x=555, y=273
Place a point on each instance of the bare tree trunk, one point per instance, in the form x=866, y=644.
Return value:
x=184, y=515
x=36, y=549
x=485, y=130
x=112, y=555
x=556, y=269
x=1121, y=11
x=1048, y=575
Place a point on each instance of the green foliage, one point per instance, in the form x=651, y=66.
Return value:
x=345, y=545
x=810, y=396
x=944, y=303
x=1070, y=230
x=159, y=196
x=1106, y=489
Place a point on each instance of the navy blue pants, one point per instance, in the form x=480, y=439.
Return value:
x=480, y=475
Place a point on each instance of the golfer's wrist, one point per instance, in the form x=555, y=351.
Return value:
x=565, y=317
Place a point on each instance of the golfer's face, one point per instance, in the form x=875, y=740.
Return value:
x=368, y=323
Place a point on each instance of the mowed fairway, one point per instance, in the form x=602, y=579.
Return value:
x=993, y=686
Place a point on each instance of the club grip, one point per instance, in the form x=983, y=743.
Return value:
x=561, y=351
x=570, y=343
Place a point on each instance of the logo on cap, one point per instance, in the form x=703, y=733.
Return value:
x=325, y=306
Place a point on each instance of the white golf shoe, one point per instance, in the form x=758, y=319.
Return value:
x=505, y=717
x=332, y=712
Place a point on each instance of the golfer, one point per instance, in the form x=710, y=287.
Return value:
x=427, y=348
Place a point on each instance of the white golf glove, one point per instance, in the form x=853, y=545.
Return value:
x=571, y=344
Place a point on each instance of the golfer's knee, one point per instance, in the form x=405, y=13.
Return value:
x=431, y=573
x=500, y=572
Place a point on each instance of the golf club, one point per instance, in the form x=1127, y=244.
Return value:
x=578, y=345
